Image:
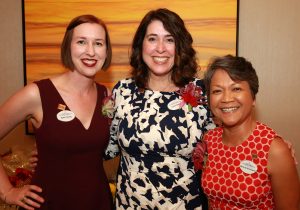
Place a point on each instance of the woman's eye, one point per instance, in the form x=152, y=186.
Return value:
x=151, y=39
x=81, y=42
x=170, y=40
x=237, y=89
x=215, y=91
x=99, y=44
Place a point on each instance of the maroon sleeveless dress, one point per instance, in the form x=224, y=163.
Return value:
x=70, y=165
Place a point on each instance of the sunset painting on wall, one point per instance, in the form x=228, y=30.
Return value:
x=212, y=23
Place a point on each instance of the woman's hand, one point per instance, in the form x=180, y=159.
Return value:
x=25, y=197
x=33, y=159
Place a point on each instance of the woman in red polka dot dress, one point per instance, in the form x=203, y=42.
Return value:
x=248, y=166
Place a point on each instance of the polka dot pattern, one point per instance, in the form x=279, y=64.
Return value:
x=226, y=184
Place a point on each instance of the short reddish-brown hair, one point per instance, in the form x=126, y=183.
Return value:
x=65, y=49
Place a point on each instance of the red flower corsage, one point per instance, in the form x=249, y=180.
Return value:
x=192, y=96
x=199, y=155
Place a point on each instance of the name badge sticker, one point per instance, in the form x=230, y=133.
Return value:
x=174, y=105
x=65, y=116
x=248, y=166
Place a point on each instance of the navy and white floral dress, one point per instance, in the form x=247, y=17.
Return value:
x=155, y=138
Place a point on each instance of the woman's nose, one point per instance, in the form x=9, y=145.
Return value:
x=227, y=96
x=90, y=49
x=160, y=47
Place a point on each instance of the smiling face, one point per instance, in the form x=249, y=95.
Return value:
x=230, y=101
x=158, y=49
x=88, y=48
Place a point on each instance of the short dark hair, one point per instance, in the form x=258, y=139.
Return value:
x=65, y=49
x=238, y=69
x=185, y=65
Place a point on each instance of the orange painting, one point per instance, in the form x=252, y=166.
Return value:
x=212, y=23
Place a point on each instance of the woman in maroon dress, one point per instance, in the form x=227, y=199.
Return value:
x=71, y=131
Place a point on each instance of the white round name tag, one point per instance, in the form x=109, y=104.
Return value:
x=65, y=116
x=248, y=166
x=175, y=104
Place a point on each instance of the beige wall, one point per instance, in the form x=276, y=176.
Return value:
x=269, y=38
x=11, y=65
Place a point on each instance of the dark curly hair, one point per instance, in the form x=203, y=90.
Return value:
x=65, y=49
x=185, y=65
x=238, y=69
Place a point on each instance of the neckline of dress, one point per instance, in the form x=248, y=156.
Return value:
x=68, y=108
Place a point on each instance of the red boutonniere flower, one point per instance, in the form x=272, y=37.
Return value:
x=199, y=155
x=108, y=106
x=191, y=95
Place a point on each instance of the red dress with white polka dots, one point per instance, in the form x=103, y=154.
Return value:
x=224, y=180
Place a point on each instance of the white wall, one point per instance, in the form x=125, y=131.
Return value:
x=270, y=38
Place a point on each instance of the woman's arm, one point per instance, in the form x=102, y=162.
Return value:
x=25, y=104
x=284, y=176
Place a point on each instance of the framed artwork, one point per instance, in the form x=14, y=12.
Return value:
x=212, y=23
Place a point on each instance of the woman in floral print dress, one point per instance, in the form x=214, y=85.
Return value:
x=159, y=118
